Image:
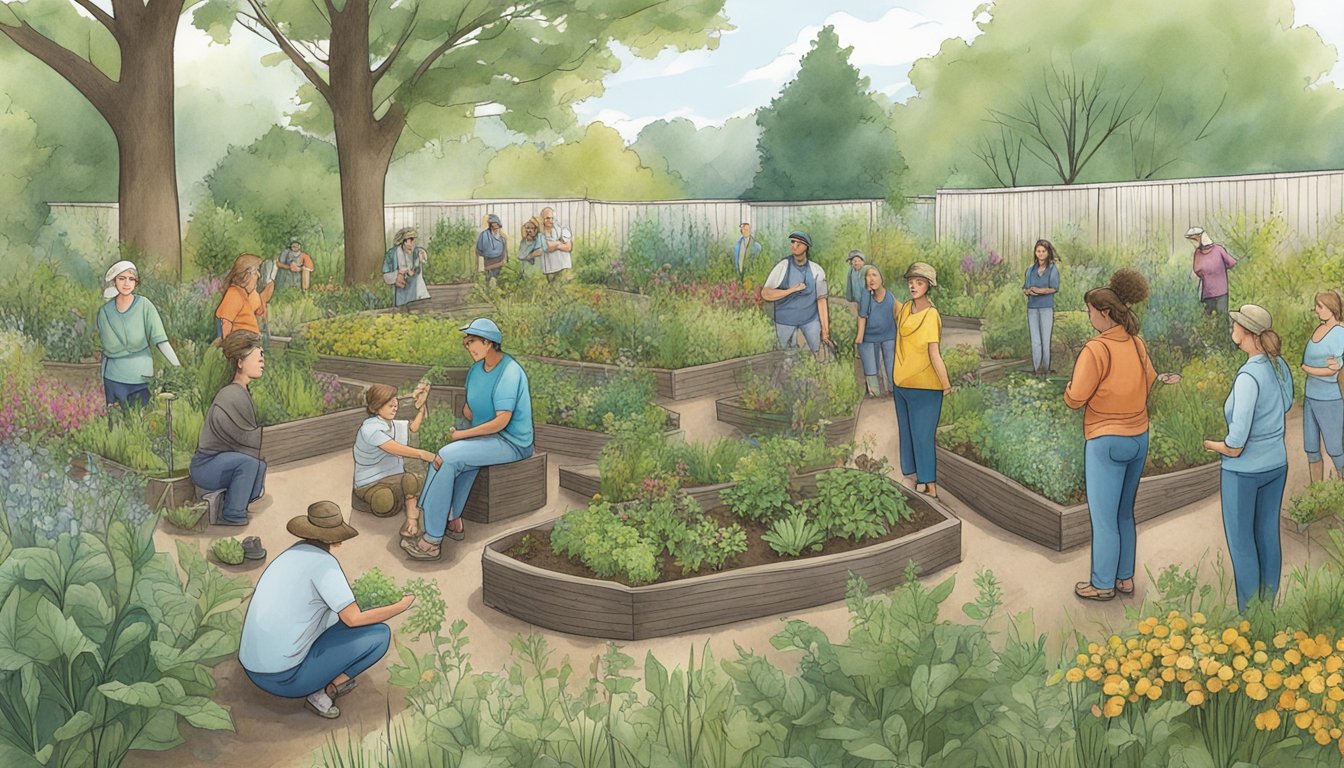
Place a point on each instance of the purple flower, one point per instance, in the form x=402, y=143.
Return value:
x=967, y=263
x=995, y=259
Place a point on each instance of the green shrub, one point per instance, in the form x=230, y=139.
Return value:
x=228, y=551
x=375, y=589
x=612, y=548
x=1319, y=500
x=184, y=517
x=807, y=391
x=962, y=362
x=108, y=644
x=855, y=505
x=562, y=397
x=795, y=533
x=451, y=249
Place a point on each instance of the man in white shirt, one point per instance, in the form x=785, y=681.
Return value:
x=556, y=255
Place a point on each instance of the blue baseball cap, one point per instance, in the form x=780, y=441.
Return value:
x=485, y=328
x=802, y=238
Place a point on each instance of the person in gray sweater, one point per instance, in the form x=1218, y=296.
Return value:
x=228, y=456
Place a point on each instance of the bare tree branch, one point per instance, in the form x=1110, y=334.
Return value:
x=383, y=68
x=278, y=38
x=102, y=17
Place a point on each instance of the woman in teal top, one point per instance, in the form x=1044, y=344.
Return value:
x=1255, y=459
x=127, y=325
x=499, y=406
x=1322, y=407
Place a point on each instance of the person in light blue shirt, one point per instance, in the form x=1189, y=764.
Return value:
x=746, y=249
x=1040, y=286
x=1322, y=405
x=877, y=333
x=499, y=407
x=1255, y=457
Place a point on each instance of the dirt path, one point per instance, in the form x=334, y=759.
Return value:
x=277, y=732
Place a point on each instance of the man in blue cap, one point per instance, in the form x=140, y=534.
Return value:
x=802, y=305
x=499, y=407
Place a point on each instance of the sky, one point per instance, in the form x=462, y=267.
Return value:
x=750, y=65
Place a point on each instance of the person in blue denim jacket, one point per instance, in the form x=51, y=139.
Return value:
x=1255, y=458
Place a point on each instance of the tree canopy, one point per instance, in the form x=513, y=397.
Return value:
x=710, y=162
x=826, y=137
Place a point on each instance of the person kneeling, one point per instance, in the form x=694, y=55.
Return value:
x=381, y=479
x=304, y=636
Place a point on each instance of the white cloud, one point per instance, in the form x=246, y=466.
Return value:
x=898, y=38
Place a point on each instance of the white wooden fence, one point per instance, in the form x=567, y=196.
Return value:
x=717, y=219
x=1010, y=220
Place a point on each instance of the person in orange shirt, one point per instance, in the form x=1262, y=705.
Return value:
x=1111, y=379
x=242, y=305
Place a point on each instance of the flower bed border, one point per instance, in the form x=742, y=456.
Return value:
x=443, y=297
x=1017, y=509
x=960, y=323
x=680, y=383
x=749, y=421
x=595, y=608
x=585, y=480
x=382, y=371
x=160, y=492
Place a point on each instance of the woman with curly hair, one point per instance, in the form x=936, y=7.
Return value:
x=1111, y=380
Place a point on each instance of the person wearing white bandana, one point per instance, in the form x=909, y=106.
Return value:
x=127, y=325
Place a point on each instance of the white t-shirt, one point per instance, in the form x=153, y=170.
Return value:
x=776, y=277
x=372, y=463
x=297, y=599
x=554, y=261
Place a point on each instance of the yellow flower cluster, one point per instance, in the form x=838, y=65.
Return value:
x=401, y=338
x=1296, y=679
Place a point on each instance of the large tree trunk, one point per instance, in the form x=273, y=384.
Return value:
x=363, y=144
x=144, y=126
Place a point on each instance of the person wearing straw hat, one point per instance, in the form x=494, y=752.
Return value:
x=802, y=305
x=499, y=407
x=492, y=247
x=1210, y=265
x=304, y=636
x=404, y=267
x=1255, y=456
x=1322, y=403
x=127, y=325
x=295, y=266
x=531, y=246
x=919, y=380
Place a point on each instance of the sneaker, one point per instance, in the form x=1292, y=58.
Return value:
x=319, y=703
x=252, y=549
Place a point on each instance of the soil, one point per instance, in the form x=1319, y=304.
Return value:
x=537, y=550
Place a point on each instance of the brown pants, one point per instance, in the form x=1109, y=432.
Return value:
x=388, y=496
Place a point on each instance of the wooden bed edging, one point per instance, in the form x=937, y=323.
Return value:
x=963, y=323
x=382, y=371
x=680, y=383
x=729, y=410
x=1017, y=509
x=595, y=608
x=585, y=480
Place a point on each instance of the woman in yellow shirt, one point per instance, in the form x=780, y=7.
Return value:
x=919, y=379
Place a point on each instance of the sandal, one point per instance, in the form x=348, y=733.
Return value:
x=458, y=535
x=1120, y=586
x=1086, y=591
x=416, y=552
x=924, y=489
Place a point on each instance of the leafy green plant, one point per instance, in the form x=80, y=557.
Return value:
x=375, y=589
x=795, y=533
x=604, y=542
x=962, y=362
x=1321, y=499
x=806, y=391
x=856, y=505
x=108, y=644
x=760, y=490
x=184, y=517
x=228, y=551
x=706, y=545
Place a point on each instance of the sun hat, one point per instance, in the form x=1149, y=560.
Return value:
x=926, y=271
x=323, y=522
x=493, y=219
x=403, y=234
x=485, y=328
x=110, y=290
x=1199, y=232
x=802, y=238
x=1253, y=318
x=856, y=254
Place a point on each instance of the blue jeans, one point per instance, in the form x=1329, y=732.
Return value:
x=1323, y=419
x=878, y=358
x=126, y=395
x=339, y=650
x=811, y=334
x=1040, y=322
x=1112, y=465
x=1251, y=503
x=241, y=477
x=446, y=488
x=917, y=414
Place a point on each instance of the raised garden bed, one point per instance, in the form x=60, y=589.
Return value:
x=729, y=410
x=957, y=322
x=173, y=491
x=444, y=297
x=1015, y=508
x=383, y=371
x=680, y=383
x=599, y=608
x=73, y=373
x=586, y=480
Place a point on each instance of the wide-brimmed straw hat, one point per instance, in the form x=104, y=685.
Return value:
x=403, y=234
x=323, y=522
x=926, y=271
x=1199, y=232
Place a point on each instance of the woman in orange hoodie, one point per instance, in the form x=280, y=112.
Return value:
x=1111, y=379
